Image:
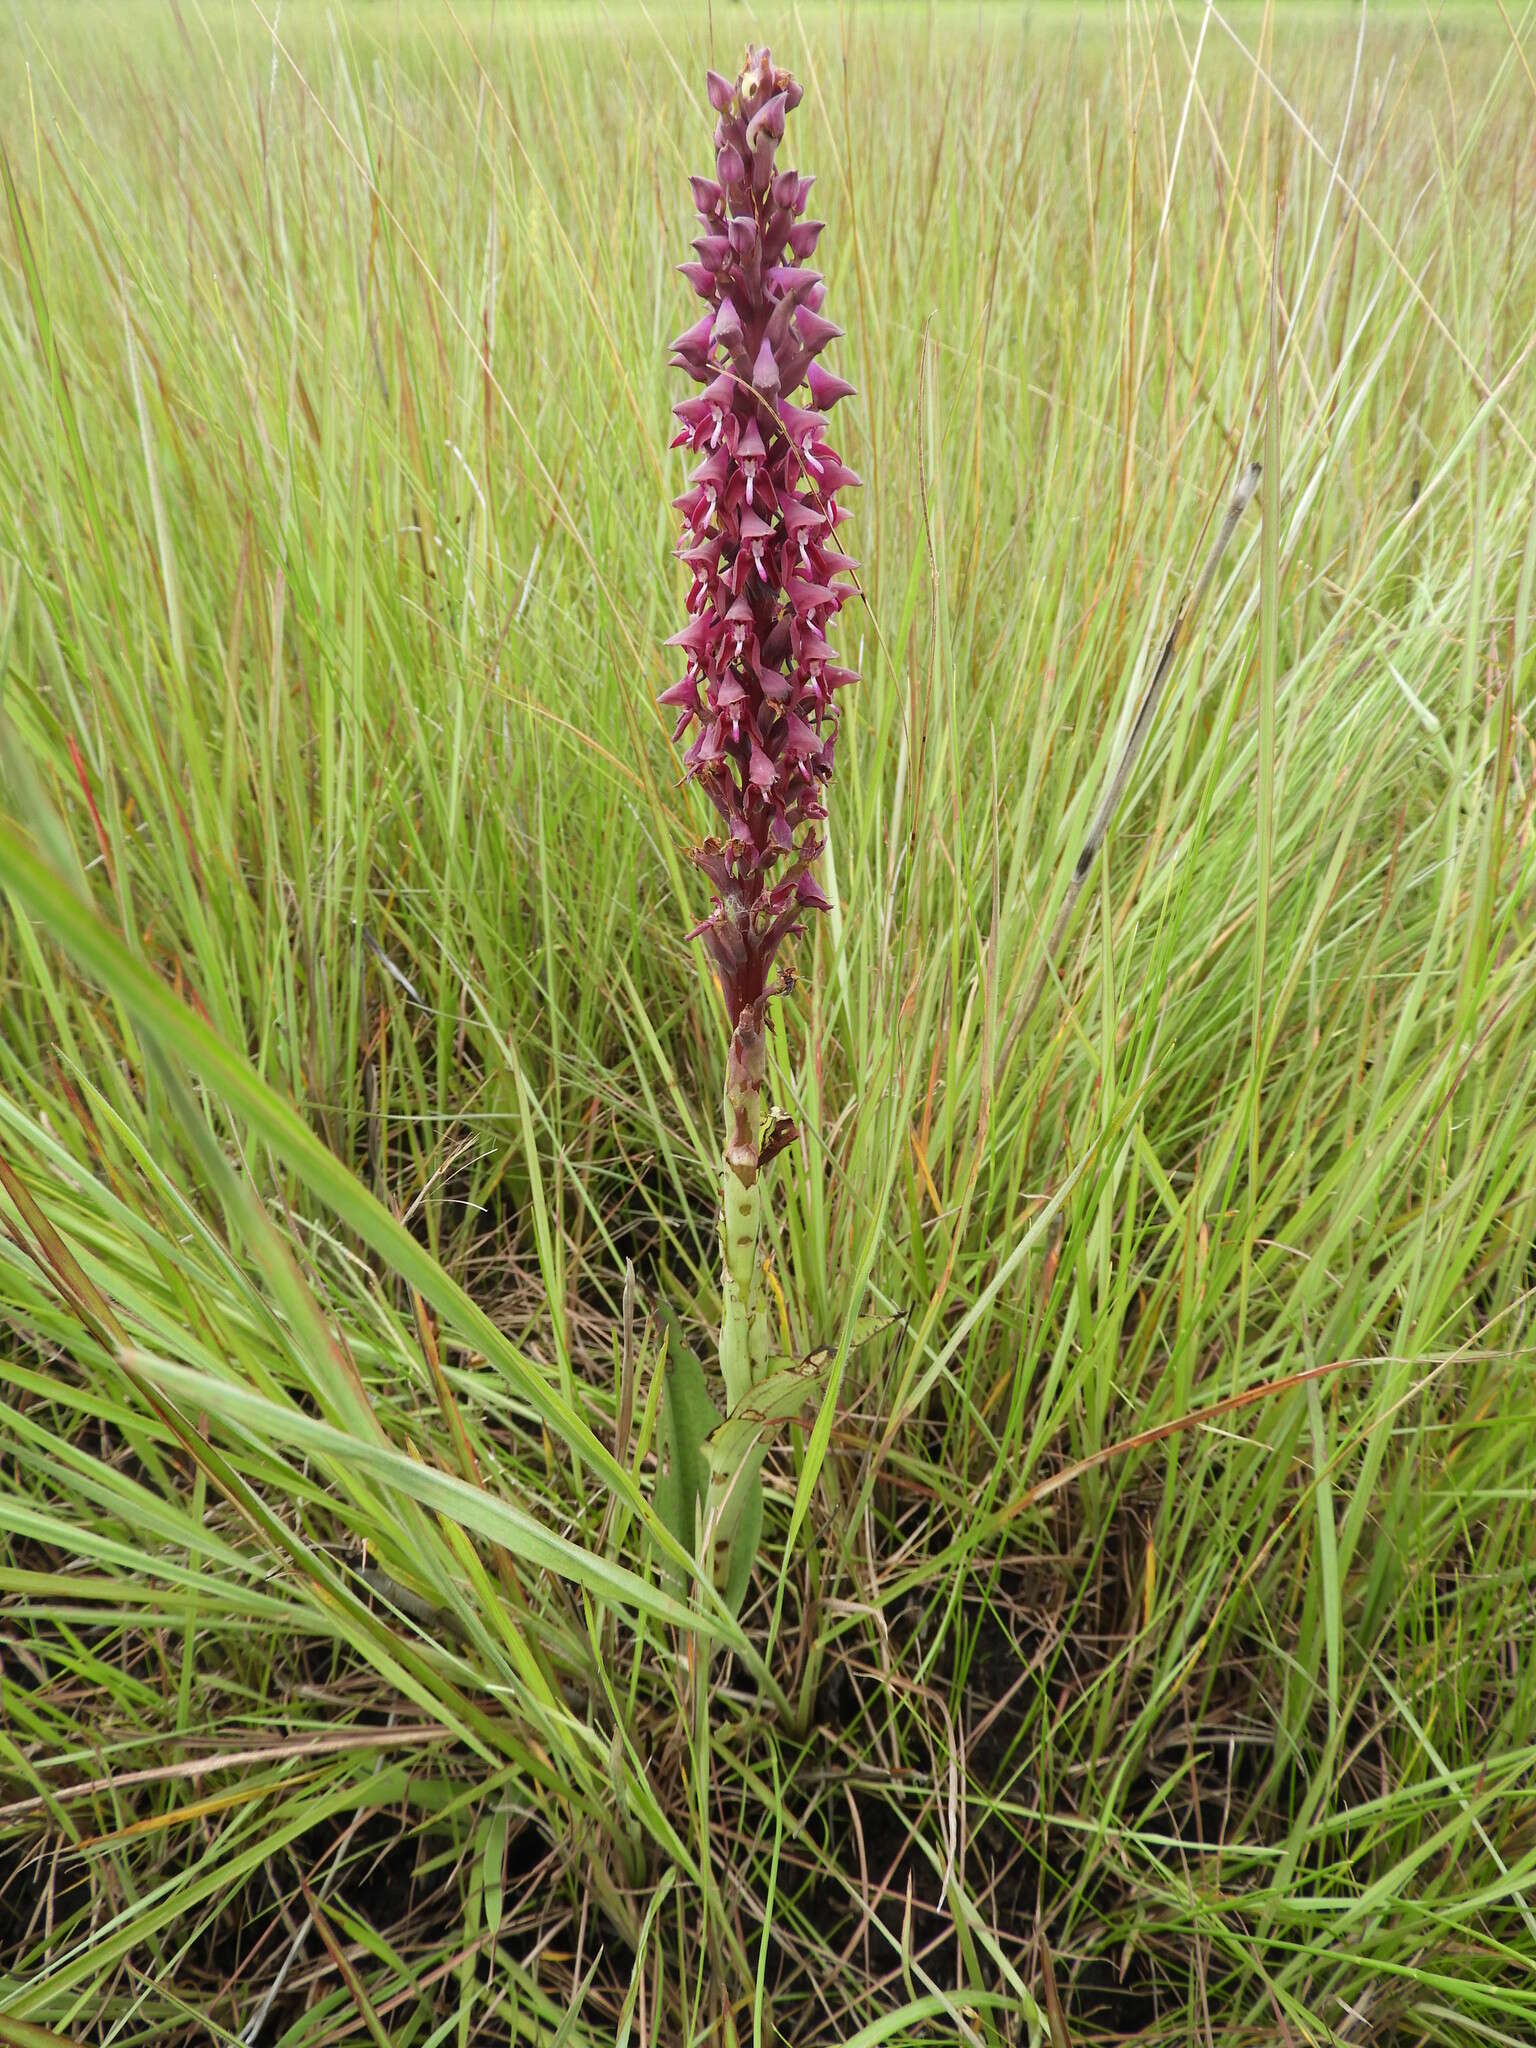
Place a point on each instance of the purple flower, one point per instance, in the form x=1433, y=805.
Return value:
x=758, y=692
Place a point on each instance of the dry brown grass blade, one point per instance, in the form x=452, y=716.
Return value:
x=1070, y=1474
x=194, y=1767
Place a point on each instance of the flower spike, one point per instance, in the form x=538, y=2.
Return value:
x=760, y=515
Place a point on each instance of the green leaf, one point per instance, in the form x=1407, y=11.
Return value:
x=493, y=1864
x=789, y=1388
x=746, y=1538
x=689, y=1418
x=734, y=1454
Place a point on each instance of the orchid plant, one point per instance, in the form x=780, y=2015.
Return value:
x=760, y=683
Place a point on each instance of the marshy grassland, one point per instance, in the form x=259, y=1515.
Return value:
x=1143, y=1640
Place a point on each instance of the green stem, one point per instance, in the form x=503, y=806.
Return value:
x=744, y=1326
x=744, y=1320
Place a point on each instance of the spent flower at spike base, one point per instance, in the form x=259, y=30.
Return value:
x=757, y=700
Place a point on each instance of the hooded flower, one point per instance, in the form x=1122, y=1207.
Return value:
x=757, y=698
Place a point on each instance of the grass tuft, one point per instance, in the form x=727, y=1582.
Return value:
x=1143, y=1646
